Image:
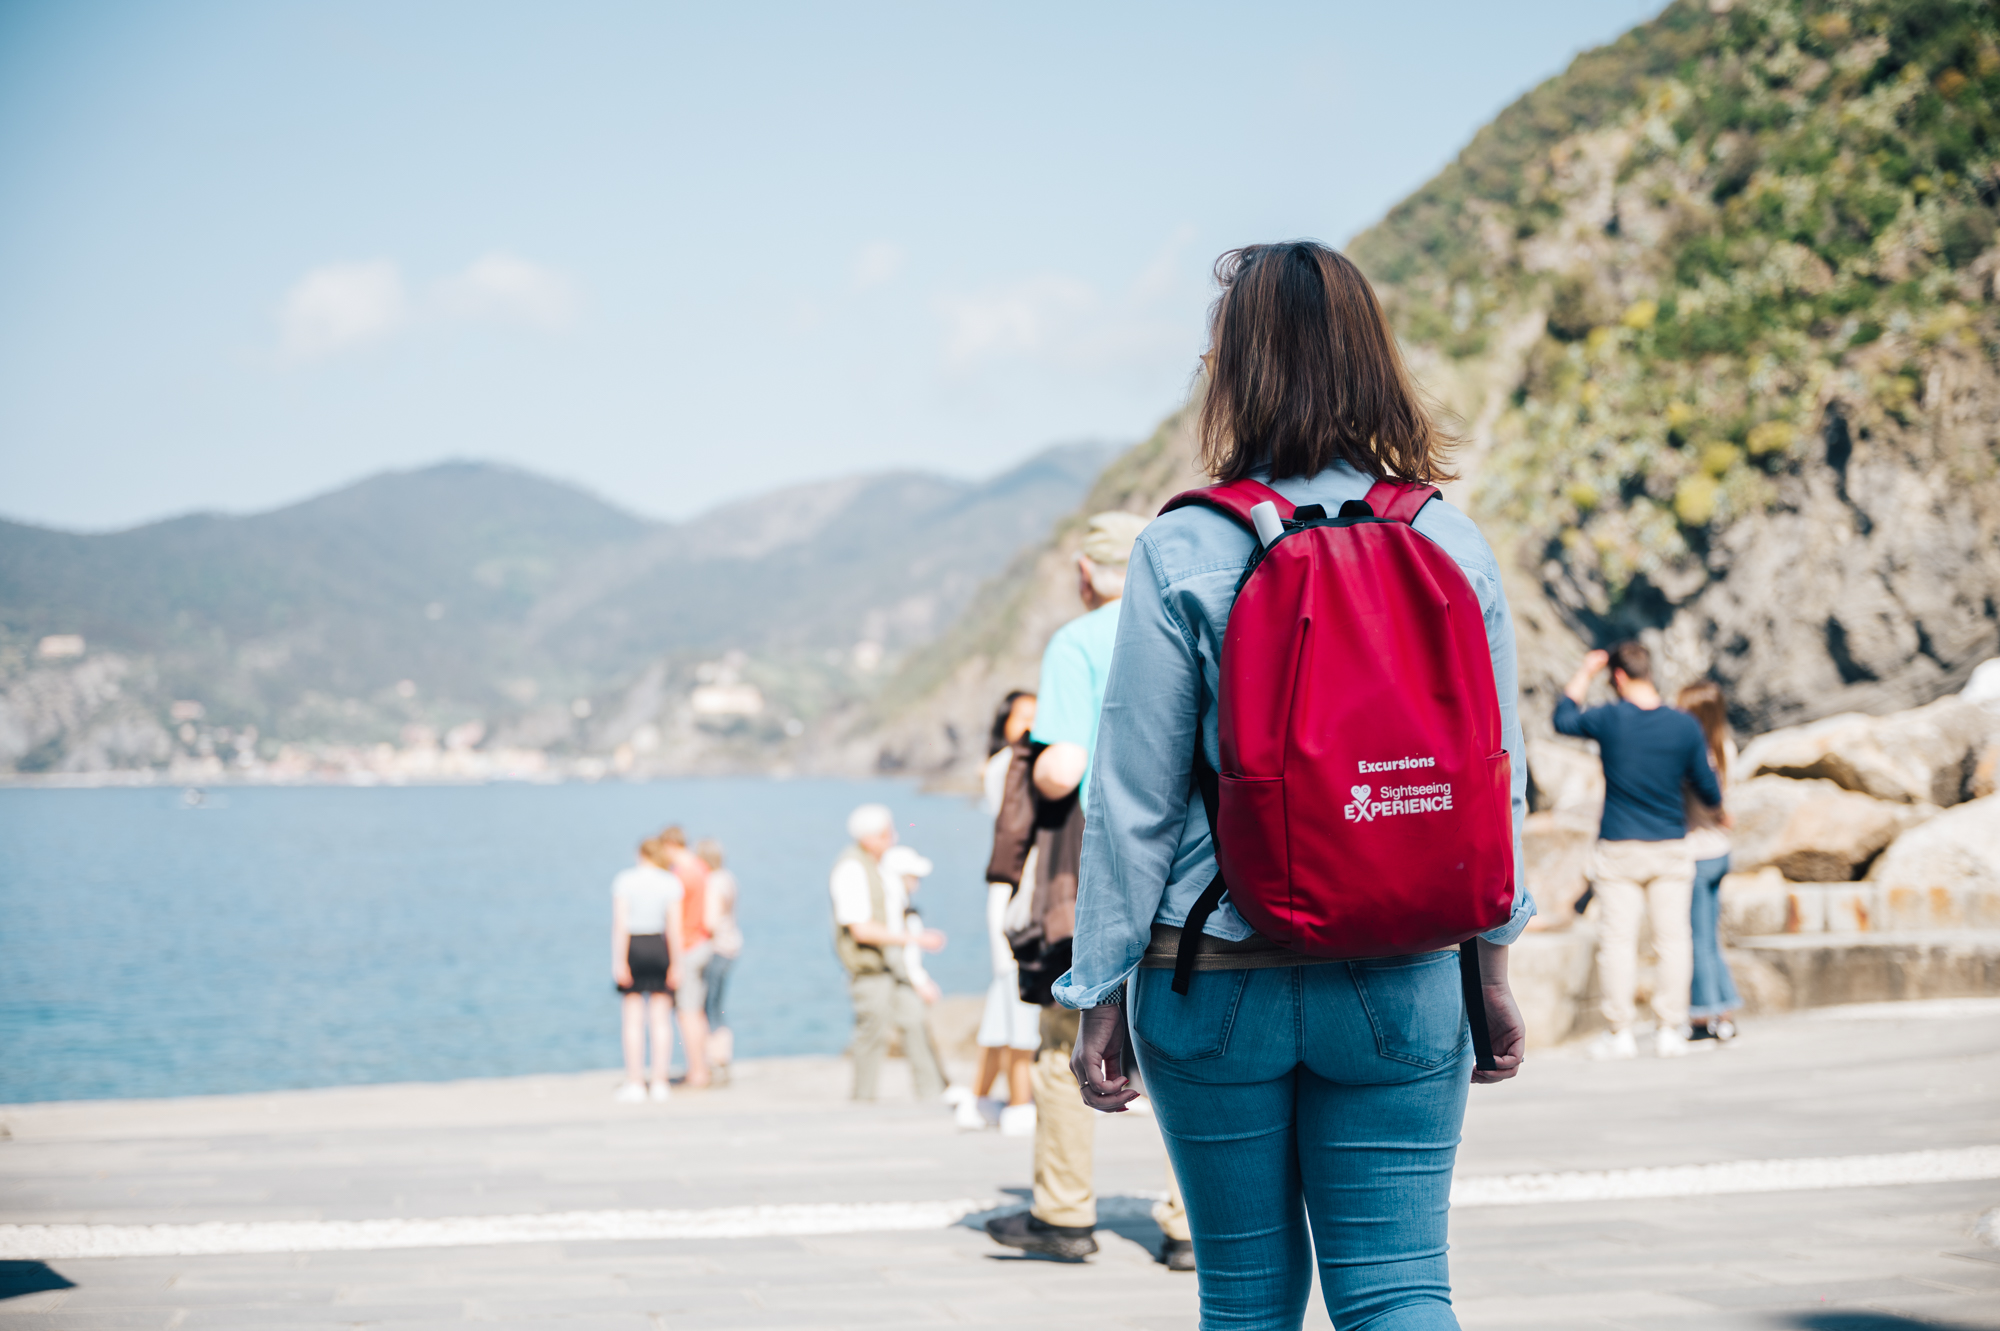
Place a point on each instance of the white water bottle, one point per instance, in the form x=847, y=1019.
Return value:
x=1264, y=517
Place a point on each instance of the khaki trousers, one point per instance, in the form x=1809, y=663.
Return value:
x=883, y=1003
x=1635, y=879
x=1066, y=1139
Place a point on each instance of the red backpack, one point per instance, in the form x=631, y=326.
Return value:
x=1363, y=805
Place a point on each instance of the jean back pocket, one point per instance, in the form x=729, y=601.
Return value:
x=1190, y=1026
x=1414, y=1005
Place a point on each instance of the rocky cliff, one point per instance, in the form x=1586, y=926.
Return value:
x=1716, y=309
x=1719, y=305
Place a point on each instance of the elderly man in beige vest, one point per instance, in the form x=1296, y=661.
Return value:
x=870, y=935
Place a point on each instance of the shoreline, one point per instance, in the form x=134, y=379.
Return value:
x=506, y=1098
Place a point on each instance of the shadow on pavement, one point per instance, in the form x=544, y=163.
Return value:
x=18, y=1278
x=1127, y=1217
x=1832, y=1320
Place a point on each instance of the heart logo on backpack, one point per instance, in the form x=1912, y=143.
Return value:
x=1360, y=793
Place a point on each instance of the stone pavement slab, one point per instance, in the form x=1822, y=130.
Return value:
x=1855, y=1259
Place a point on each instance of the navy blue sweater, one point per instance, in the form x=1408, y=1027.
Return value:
x=1648, y=757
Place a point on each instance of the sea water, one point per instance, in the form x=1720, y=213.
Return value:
x=316, y=936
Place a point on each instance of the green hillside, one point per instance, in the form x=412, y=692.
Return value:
x=1751, y=236
x=1715, y=308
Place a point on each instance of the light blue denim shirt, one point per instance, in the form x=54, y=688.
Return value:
x=1146, y=849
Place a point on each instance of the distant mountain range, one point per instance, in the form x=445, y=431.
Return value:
x=474, y=593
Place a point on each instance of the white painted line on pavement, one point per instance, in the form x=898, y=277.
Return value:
x=46, y=1242
x=1918, y=1009
x=215, y=1238
x=1731, y=1176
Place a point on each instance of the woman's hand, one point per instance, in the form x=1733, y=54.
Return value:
x=674, y=974
x=621, y=974
x=1504, y=1026
x=1509, y=1033
x=1098, y=1060
x=931, y=940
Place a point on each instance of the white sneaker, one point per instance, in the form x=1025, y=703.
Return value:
x=1670, y=1044
x=658, y=1091
x=1612, y=1046
x=1018, y=1121
x=989, y=1108
x=957, y=1095
x=967, y=1116
x=631, y=1093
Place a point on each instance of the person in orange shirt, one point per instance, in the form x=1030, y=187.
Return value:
x=691, y=998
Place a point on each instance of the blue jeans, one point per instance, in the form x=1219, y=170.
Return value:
x=715, y=975
x=1326, y=1096
x=1713, y=991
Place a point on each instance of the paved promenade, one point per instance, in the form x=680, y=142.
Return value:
x=780, y=1160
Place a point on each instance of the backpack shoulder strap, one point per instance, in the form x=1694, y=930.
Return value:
x=1400, y=501
x=1235, y=499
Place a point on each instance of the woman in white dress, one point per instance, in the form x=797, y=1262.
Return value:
x=1010, y=1030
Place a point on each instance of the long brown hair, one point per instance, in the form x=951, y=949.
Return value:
x=1303, y=370
x=1703, y=701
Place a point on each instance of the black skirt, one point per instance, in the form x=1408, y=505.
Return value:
x=646, y=955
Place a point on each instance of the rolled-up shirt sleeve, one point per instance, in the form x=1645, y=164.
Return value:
x=1138, y=800
x=1507, y=684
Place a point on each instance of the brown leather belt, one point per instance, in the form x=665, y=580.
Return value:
x=1220, y=954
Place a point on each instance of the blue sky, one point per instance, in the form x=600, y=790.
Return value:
x=675, y=254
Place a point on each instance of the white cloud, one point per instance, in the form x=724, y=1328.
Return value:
x=1073, y=326
x=876, y=263
x=507, y=287
x=341, y=305
x=1022, y=319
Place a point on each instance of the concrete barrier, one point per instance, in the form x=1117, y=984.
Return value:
x=1554, y=972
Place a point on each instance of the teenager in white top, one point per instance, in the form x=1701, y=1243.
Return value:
x=645, y=965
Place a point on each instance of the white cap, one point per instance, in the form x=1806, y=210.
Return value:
x=868, y=820
x=902, y=862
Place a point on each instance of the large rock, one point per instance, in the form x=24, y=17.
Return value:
x=1554, y=978
x=1766, y=902
x=1984, y=686
x=1556, y=855
x=1813, y=831
x=1803, y=971
x=1926, y=755
x=1568, y=781
x=1945, y=872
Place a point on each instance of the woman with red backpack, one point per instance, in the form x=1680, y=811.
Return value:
x=1308, y=792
